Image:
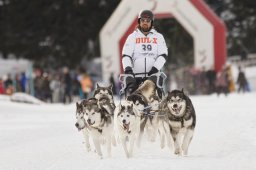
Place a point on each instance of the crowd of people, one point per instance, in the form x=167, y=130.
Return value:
x=203, y=81
x=64, y=86
x=60, y=86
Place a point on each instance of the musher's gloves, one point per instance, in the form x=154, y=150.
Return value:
x=152, y=71
x=128, y=70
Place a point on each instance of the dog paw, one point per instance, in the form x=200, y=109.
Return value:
x=100, y=156
x=152, y=139
x=177, y=152
x=127, y=155
x=185, y=153
x=162, y=145
x=88, y=149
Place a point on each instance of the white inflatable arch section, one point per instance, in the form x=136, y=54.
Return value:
x=206, y=29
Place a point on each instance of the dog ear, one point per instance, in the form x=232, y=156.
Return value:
x=97, y=86
x=185, y=92
x=122, y=107
x=110, y=86
x=77, y=104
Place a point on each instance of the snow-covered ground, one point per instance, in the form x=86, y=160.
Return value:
x=43, y=137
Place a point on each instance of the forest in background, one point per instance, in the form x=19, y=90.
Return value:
x=65, y=32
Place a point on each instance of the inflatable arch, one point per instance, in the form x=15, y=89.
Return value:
x=206, y=29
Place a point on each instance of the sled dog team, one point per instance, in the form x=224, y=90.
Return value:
x=108, y=123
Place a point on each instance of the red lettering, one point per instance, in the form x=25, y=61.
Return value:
x=155, y=40
x=146, y=40
x=143, y=40
x=137, y=40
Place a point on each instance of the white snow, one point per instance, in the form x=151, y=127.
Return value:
x=44, y=137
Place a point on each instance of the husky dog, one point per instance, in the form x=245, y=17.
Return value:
x=151, y=118
x=141, y=98
x=182, y=119
x=100, y=125
x=106, y=104
x=81, y=123
x=139, y=101
x=127, y=125
x=104, y=95
x=158, y=122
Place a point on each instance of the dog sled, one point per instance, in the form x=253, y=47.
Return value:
x=159, y=81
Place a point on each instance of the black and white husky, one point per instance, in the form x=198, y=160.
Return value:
x=104, y=95
x=81, y=124
x=182, y=119
x=127, y=124
x=147, y=102
x=100, y=125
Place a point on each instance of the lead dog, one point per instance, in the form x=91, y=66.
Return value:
x=147, y=102
x=182, y=119
x=100, y=125
x=127, y=124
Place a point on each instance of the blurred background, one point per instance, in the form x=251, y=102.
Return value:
x=50, y=49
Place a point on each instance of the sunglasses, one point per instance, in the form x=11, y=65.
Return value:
x=145, y=20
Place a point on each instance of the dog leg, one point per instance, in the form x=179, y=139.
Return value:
x=162, y=139
x=113, y=139
x=123, y=140
x=109, y=142
x=140, y=138
x=155, y=124
x=168, y=136
x=161, y=131
x=177, y=139
x=186, y=141
x=132, y=140
x=141, y=132
x=86, y=137
x=151, y=132
x=97, y=146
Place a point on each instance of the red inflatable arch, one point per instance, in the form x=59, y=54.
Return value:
x=208, y=31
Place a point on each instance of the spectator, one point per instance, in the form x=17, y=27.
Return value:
x=55, y=86
x=17, y=83
x=67, y=81
x=243, y=54
x=8, y=84
x=241, y=81
x=211, y=78
x=38, y=84
x=222, y=82
x=47, y=93
x=231, y=82
x=86, y=84
x=23, y=82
